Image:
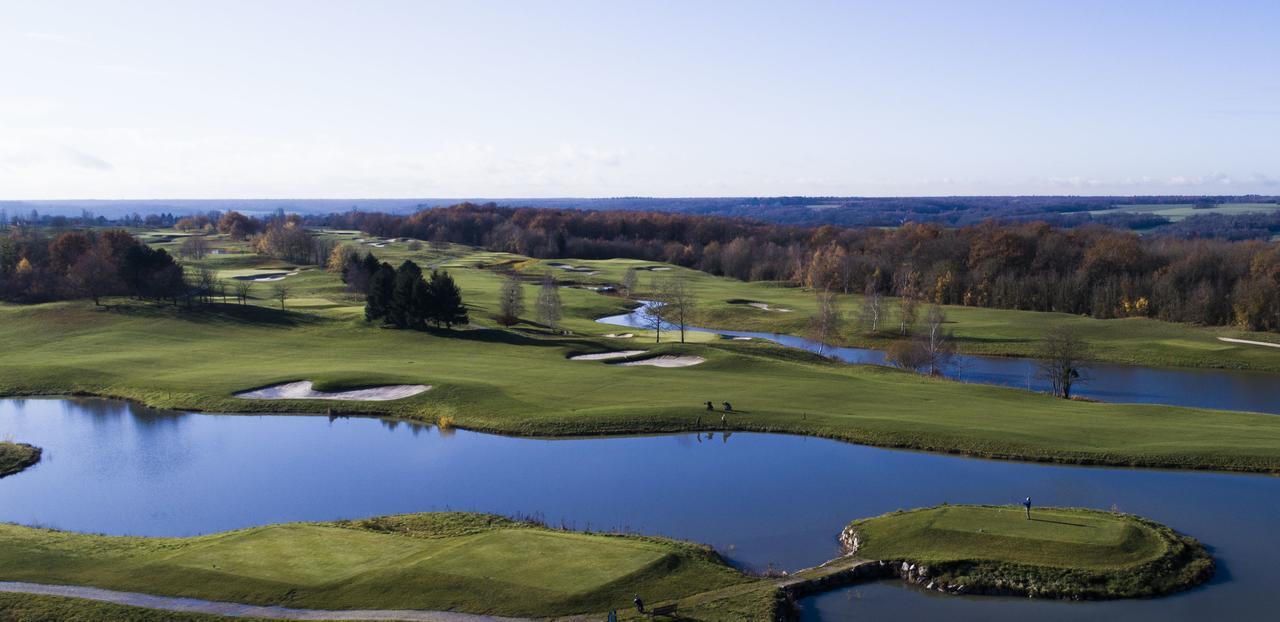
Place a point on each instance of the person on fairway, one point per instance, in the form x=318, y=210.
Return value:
x=709, y=406
x=728, y=407
x=639, y=603
x=1027, y=504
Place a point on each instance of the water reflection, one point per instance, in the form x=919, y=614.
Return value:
x=761, y=499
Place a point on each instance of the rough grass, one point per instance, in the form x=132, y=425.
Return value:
x=464, y=562
x=31, y=608
x=15, y=457
x=1060, y=552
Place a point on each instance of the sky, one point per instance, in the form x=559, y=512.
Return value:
x=364, y=99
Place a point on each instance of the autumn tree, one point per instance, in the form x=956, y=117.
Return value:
x=94, y=275
x=825, y=324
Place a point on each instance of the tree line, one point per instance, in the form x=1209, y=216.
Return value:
x=1090, y=270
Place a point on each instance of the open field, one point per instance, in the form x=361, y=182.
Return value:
x=521, y=381
x=1179, y=211
x=447, y=561
x=1065, y=551
x=15, y=457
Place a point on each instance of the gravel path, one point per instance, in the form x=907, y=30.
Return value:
x=235, y=610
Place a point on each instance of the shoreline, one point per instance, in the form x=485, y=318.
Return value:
x=608, y=430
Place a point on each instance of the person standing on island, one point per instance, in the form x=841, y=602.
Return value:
x=1027, y=504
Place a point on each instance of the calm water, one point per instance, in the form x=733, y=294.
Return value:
x=761, y=499
x=1227, y=390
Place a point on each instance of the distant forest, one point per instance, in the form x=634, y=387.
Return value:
x=1061, y=211
x=1091, y=270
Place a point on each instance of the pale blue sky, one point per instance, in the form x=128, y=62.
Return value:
x=221, y=99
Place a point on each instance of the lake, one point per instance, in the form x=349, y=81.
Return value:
x=760, y=499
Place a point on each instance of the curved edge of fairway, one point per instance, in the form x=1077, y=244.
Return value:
x=447, y=566
x=16, y=457
x=1064, y=553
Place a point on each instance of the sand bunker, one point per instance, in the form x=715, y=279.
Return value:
x=764, y=306
x=1252, y=343
x=620, y=335
x=665, y=361
x=302, y=390
x=604, y=356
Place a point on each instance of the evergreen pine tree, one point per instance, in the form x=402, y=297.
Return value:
x=401, y=310
x=446, y=301
x=381, y=286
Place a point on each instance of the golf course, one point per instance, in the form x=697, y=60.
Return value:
x=306, y=348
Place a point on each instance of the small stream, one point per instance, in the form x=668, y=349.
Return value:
x=1108, y=382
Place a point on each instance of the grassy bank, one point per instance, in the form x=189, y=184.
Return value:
x=440, y=561
x=520, y=381
x=1057, y=553
x=15, y=457
x=724, y=303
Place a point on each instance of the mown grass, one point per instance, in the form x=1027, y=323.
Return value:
x=996, y=332
x=1058, y=552
x=32, y=608
x=15, y=457
x=444, y=561
x=520, y=381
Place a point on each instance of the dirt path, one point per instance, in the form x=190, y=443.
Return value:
x=235, y=610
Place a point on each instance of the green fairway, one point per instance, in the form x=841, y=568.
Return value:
x=999, y=332
x=1066, y=551
x=520, y=381
x=15, y=457
x=463, y=562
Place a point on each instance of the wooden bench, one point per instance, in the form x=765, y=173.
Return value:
x=665, y=610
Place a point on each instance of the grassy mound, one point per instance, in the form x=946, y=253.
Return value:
x=463, y=562
x=1058, y=553
x=15, y=457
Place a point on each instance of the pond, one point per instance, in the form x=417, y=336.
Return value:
x=1200, y=388
x=760, y=499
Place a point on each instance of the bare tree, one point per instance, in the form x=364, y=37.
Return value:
x=1062, y=358
x=221, y=288
x=549, y=306
x=908, y=285
x=651, y=315
x=510, y=301
x=242, y=291
x=280, y=292
x=873, y=310
x=629, y=281
x=194, y=247
x=205, y=281
x=678, y=303
x=938, y=343
x=825, y=323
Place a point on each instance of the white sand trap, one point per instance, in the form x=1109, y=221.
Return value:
x=1252, y=343
x=604, y=356
x=764, y=306
x=742, y=339
x=302, y=390
x=665, y=361
x=659, y=269
x=620, y=335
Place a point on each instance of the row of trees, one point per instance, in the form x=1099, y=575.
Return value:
x=1091, y=270
x=401, y=297
x=548, y=308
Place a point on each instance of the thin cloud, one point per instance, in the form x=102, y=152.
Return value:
x=85, y=160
